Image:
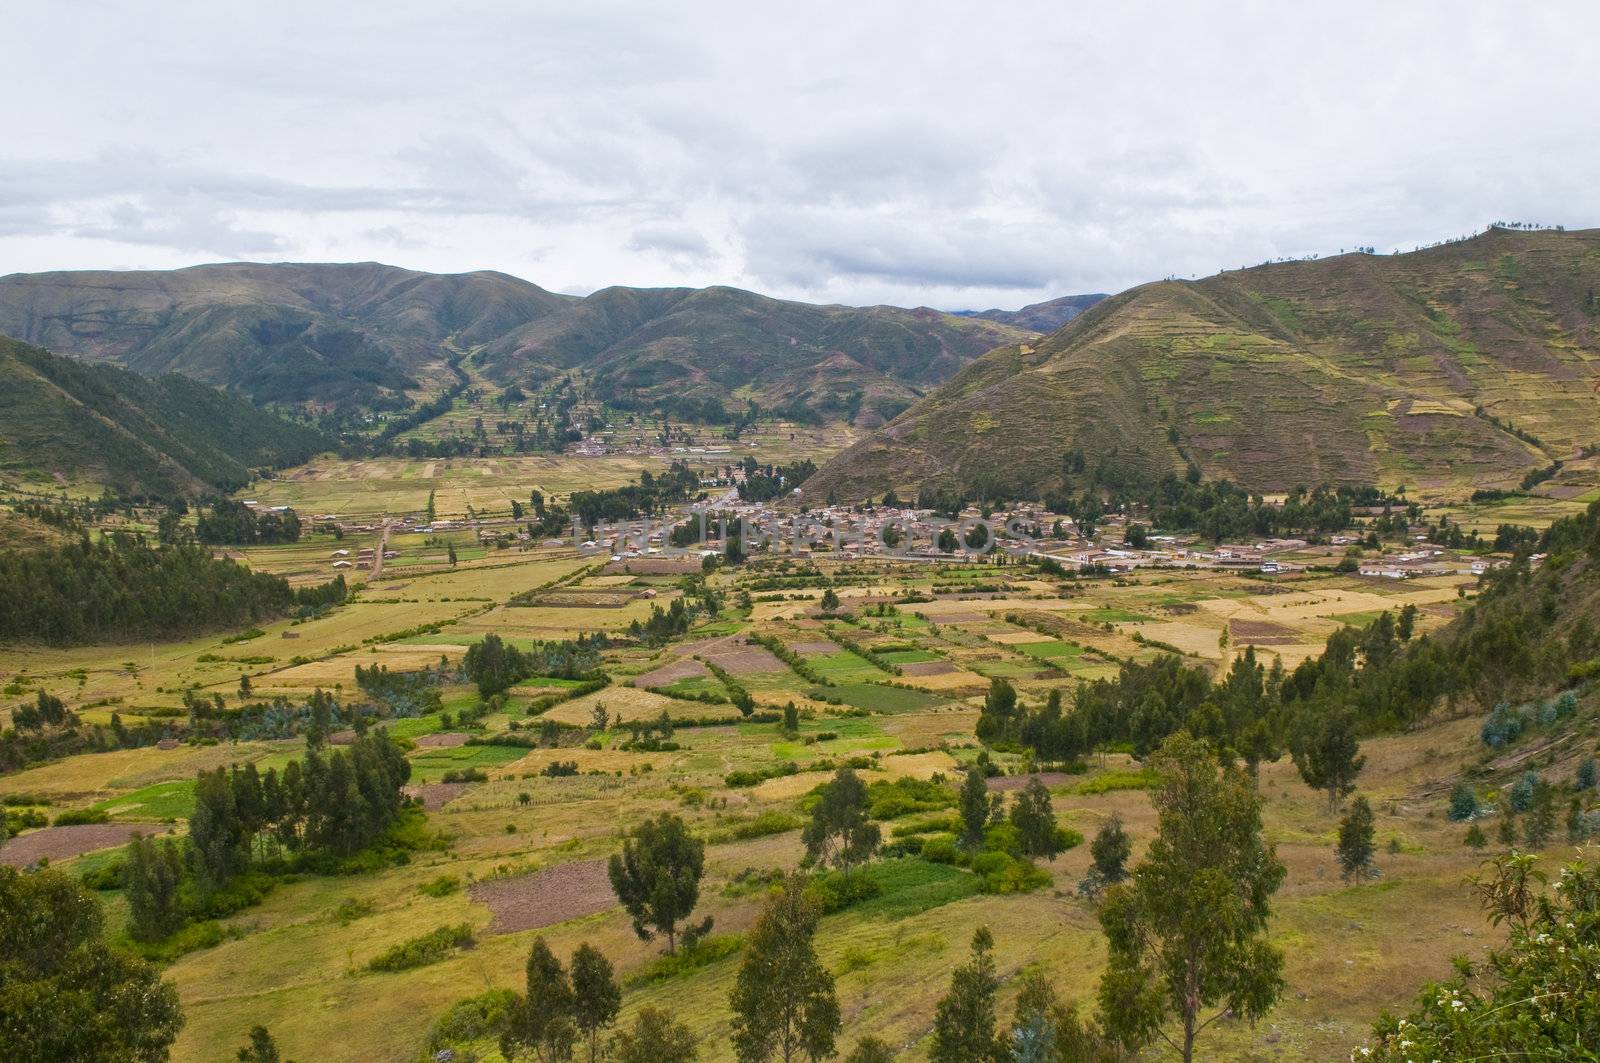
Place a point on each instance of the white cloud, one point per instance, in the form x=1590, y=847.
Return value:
x=940, y=153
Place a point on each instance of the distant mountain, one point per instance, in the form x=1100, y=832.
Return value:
x=63, y=422
x=1039, y=317
x=377, y=335
x=1468, y=364
x=285, y=332
x=686, y=345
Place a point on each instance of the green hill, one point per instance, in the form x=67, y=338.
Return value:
x=1464, y=365
x=284, y=332
x=1039, y=317
x=726, y=345
x=64, y=422
x=373, y=335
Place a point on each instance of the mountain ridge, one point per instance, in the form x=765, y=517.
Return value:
x=1471, y=363
x=382, y=337
x=63, y=421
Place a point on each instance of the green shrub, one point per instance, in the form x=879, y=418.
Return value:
x=76, y=816
x=442, y=886
x=706, y=951
x=906, y=796
x=940, y=849
x=429, y=948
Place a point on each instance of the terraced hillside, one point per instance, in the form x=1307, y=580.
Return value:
x=377, y=335
x=1464, y=365
x=64, y=423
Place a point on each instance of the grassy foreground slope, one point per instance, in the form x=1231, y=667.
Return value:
x=1471, y=363
x=65, y=422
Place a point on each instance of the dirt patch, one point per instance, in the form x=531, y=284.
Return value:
x=435, y=795
x=748, y=661
x=1251, y=630
x=653, y=566
x=544, y=898
x=671, y=673
x=443, y=740
x=927, y=668
x=63, y=843
x=814, y=647
x=955, y=618
x=1007, y=783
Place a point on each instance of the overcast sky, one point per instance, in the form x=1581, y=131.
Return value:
x=955, y=155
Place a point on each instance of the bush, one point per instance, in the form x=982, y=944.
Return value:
x=1521, y=793
x=465, y=775
x=1503, y=726
x=477, y=1018
x=705, y=951
x=940, y=849
x=905, y=796
x=74, y=817
x=1000, y=872
x=421, y=951
x=833, y=892
x=442, y=886
x=1463, y=803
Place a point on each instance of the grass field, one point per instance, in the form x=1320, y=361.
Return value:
x=297, y=968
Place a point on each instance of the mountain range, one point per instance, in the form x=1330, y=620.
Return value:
x=1467, y=364
x=370, y=334
x=1039, y=317
x=65, y=423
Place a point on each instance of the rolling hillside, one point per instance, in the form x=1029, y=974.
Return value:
x=722, y=344
x=1464, y=365
x=278, y=333
x=63, y=422
x=1039, y=317
x=377, y=335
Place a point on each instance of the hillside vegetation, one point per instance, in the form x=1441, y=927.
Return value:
x=1472, y=363
x=380, y=336
x=1039, y=317
x=65, y=422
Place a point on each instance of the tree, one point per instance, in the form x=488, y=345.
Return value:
x=1475, y=838
x=870, y=1050
x=1188, y=932
x=840, y=832
x=261, y=1049
x=964, y=1023
x=654, y=1038
x=596, y=997
x=1355, y=846
x=1326, y=751
x=783, y=1000
x=1530, y=1000
x=1540, y=824
x=64, y=994
x=1035, y=820
x=541, y=1022
x=217, y=839
x=976, y=807
x=450, y=553
x=830, y=601
x=999, y=717
x=657, y=876
x=1109, y=852
x=948, y=541
x=244, y=685
x=154, y=875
